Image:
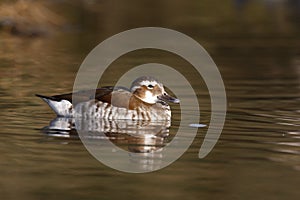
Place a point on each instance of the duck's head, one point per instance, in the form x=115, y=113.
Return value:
x=149, y=90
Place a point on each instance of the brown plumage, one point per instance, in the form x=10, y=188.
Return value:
x=145, y=98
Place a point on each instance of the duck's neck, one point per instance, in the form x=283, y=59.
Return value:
x=136, y=102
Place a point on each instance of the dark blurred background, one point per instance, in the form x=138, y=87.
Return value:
x=245, y=33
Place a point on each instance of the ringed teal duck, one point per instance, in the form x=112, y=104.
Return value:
x=145, y=100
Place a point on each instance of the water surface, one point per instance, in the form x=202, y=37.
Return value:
x=254, y=44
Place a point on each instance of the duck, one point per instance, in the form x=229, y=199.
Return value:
x=146, y=99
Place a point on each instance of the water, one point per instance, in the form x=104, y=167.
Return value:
x=256, y=47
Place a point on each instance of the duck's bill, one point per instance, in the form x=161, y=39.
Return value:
x=168, y=98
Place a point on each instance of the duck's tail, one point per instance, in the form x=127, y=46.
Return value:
x=61, y=107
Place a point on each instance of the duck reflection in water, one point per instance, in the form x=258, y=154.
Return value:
x=132, y=135
x=143, y=140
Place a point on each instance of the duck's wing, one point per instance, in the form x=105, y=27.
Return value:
x=118, y=96
x=62, y=104
x=85, y=95
x=104, y=94
x=81, y=96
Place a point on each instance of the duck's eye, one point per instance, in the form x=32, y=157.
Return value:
x=150, y=86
